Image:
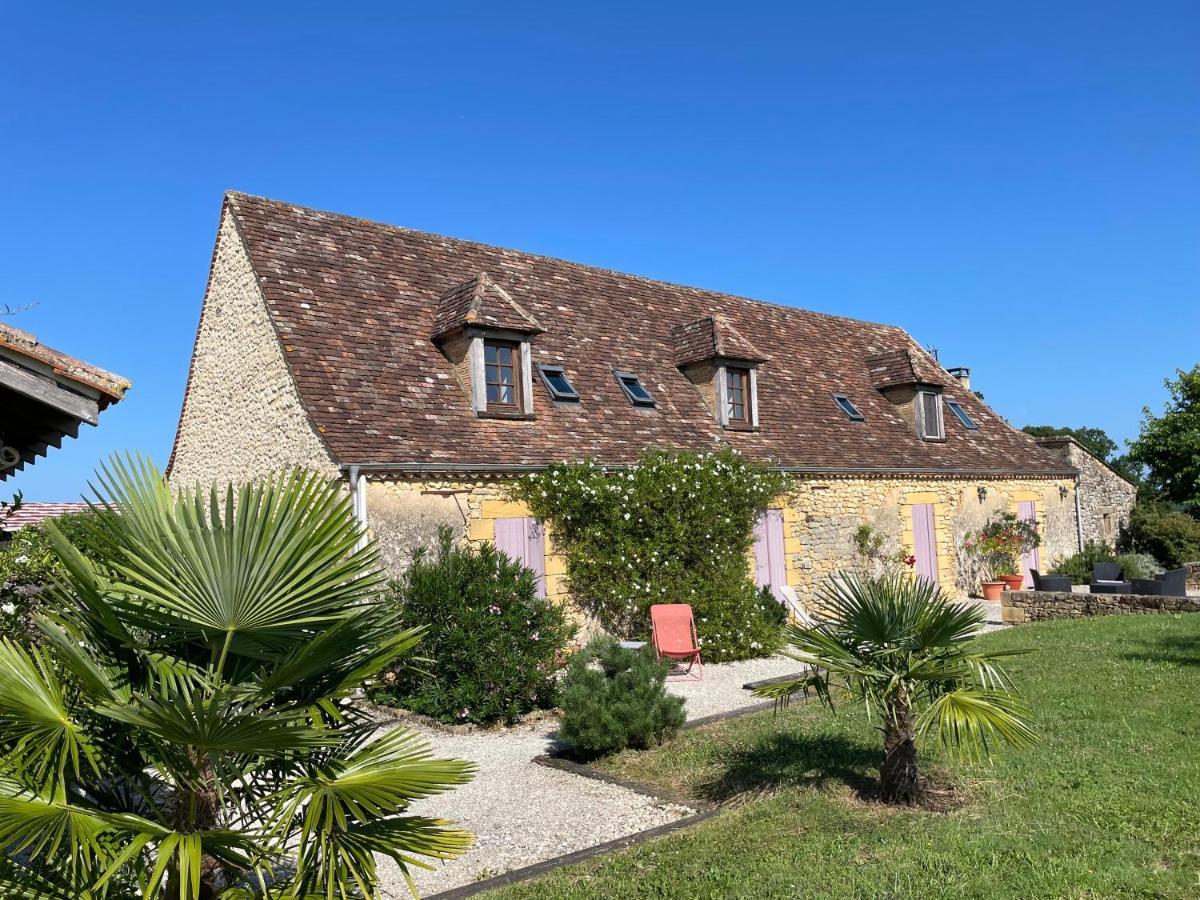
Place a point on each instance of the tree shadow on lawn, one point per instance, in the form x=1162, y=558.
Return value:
x=786, y=759
x=1181, y=649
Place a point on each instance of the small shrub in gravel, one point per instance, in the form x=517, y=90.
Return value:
x=495, y=645
x=615, y=698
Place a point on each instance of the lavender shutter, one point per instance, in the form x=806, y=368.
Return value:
x=535, y=552
x=762, y=552
x=510, y=538
x=924, y=541
x=778, y=573
x=1027, y=512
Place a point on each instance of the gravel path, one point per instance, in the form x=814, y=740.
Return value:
x=522, y=813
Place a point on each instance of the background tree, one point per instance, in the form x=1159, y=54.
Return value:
x=1169, y=444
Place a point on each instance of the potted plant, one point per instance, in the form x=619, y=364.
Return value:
x=999, y=546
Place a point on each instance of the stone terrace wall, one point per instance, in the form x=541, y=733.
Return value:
x=1193, y=575
x=1017, y=607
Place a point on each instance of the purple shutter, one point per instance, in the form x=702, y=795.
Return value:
x=1027, y=512
x=521, y=540
x=510, y=538
x=762, y=552
x=535, y=552
x=924, y=541
x=769, y=569
x=775, y=546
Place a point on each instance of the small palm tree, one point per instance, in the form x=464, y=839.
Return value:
x=185, y=729
x=896, y=644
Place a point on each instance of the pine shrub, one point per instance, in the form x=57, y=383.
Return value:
x=496, y=646
x=615, y=698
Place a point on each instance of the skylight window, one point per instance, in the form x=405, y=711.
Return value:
x=557, y=383
x=961, y=415
x=846, y=406
x=634, y=389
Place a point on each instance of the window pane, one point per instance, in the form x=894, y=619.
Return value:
x=848, y=407
x=505, y=375
x=635, y=388
x=929, y=414
x=489, y=353
x=962, y=415
x=504, y=355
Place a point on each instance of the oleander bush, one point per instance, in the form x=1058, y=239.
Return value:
x=496, y=644
x=615, y=698
x=677, y=527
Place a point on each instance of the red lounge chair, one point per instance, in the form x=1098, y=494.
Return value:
x=673, y=633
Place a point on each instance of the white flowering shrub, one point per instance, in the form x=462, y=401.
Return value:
x=28, y=565
x=675, y=528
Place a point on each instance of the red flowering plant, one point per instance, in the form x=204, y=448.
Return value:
x=874, y=559
x=1000, y=544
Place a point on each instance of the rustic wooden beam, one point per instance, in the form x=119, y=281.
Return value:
x=48, y=392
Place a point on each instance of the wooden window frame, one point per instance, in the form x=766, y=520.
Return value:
x=518, y=399
x=740, y=374
x=922, y=425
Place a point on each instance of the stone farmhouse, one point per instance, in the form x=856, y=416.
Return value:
x=427, y=371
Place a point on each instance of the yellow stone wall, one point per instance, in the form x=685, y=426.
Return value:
x=820, y=517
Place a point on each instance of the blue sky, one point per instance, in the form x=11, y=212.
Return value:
x=1018, y=186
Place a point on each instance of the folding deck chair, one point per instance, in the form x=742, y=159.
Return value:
x=673, y=633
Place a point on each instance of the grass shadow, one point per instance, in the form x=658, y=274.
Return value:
x=1181, y=649
x=785, y=759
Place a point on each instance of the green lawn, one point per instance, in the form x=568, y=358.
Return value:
x=1108, y=805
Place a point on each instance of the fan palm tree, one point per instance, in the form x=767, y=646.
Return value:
x=898, y=646
x=184, y=728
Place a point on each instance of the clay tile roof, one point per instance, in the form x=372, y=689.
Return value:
x=903, y=366
x=712, y=337
x=357, y=301
x=480, y=301
x=111, y=387
x=33, y=513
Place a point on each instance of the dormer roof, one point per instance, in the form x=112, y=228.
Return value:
x=480, y=301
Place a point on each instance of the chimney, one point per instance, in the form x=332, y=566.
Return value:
x=963, y=375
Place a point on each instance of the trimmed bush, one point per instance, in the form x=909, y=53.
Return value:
x=614, y=698
x=495, y=643
x=1170, y=536
x=675, y=528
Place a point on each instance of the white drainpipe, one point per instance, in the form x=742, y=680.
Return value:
x=1078, y=515
x=358, y=502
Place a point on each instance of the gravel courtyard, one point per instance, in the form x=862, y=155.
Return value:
x=522, y=813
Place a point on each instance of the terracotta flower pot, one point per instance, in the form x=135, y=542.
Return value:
x=992, y=590
x=1013, y=582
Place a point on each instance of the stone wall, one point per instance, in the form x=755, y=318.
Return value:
x=1105, y=498
x=1193, y=575
x=242, y=416
x=1017, y=607
x=821, y=516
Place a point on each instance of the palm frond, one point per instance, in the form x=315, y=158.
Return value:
x=967, y=720
x=45, y=739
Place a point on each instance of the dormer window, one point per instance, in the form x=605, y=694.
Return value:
x=501, y=366
x=634, y=389
x=848, y=408
x=929, y=416
x=737, y=396
x=557, y=383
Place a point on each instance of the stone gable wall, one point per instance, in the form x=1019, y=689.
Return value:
x=1105, y=498
x=1018, y=607
x=242, y=416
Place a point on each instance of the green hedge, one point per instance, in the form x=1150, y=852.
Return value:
x=675, y=528
x=1079, y=565
x=1170, y=536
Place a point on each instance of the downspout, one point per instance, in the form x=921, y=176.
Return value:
x=358, y=503
x=1078, y=513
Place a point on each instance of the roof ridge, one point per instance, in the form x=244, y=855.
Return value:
x=783, y=307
